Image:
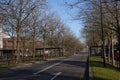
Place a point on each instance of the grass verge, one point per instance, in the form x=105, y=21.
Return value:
x=103, y=73
x=5, y=66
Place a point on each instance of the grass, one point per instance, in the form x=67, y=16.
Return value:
x=103, y=73
x=5, y=66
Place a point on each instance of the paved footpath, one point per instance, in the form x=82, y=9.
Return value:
x=72, y=68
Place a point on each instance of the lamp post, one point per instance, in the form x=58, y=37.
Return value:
x=102, y=30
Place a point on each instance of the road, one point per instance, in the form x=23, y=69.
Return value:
x=71, y=68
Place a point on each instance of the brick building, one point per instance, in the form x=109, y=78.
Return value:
x=11, y=43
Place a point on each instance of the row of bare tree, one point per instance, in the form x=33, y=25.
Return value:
x=104, y=15
x=101, y=23
x=32, y=19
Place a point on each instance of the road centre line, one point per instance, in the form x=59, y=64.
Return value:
x=46, y=68
x=56, y=74
x=49, y=67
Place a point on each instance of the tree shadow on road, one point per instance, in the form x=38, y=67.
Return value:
x=84, y=64
x=76, y=63
x=14, y=73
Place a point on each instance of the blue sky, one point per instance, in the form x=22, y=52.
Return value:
x=58, y=6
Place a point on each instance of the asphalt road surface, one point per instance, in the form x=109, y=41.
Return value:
x=71, y=68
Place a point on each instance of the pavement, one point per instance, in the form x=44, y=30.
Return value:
x=71, y=68
x=90, y=72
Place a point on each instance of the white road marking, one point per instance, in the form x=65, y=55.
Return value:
x=46, y=68
x=56, y=74
x=67, y=59
x=36, y=73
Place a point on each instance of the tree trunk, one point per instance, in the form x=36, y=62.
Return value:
x=44, y=46
x=34, y=43
x=109, y=50
x=18, y=46
x=112, y=45
x=34, y=47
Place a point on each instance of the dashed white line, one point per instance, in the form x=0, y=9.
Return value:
x=36, y=73
x=46, y=68
x=56, y=74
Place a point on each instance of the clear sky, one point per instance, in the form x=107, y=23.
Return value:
x=58, y=6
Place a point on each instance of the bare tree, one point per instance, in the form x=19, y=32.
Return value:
x=16, y=13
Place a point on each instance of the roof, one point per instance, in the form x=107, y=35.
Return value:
x=4, y=35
